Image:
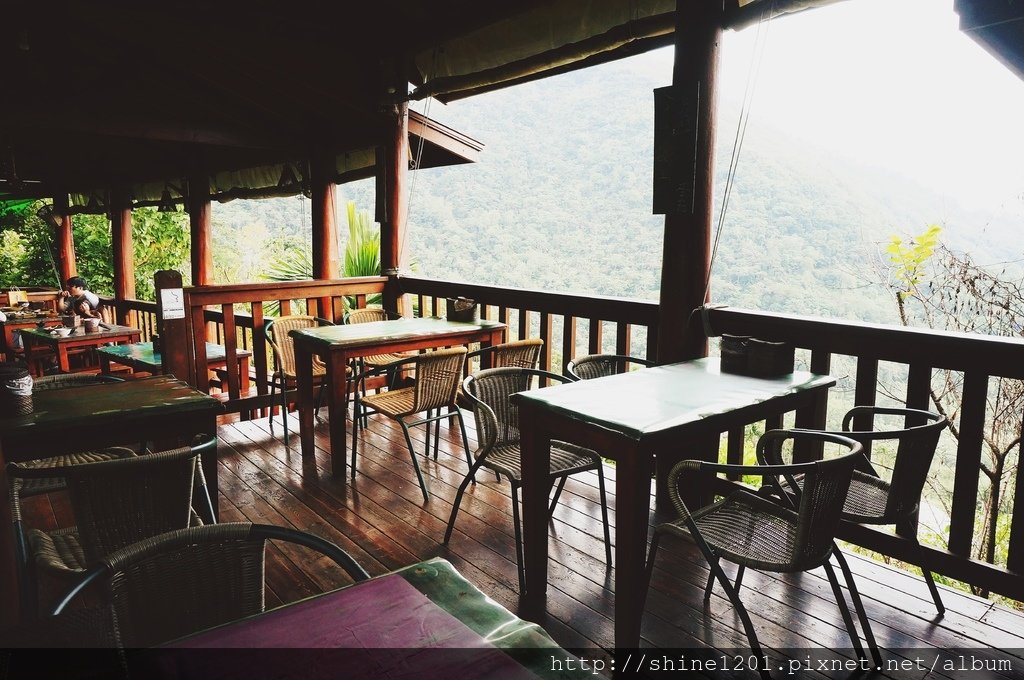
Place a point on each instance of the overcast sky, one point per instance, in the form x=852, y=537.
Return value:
x=892, y=82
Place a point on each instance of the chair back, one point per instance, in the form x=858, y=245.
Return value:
x=119, y=502
x=820, y=496
x=915, y=450
x=496, y=415
x=517, y=354
x=437, y=378
x=277, y=330
x=599, y=365
x=366, y=315
x=188, y=580
x=62, y=380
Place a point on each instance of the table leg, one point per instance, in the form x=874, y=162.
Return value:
x=305, y=397
x=704, y=448
x=337, y=384
x=243, y=374
x=62, y=359
x=632, y=513
x=535, y=451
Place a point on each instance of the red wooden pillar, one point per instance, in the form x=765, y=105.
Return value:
x=122, y=249
x=323, y=212
x=687, y=246
x=393, y=174
x=199, y=216
x=65, y=240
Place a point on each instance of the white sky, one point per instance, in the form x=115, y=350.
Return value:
x=889, y=82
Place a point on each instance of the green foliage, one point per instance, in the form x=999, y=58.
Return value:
x=362, y=252
x=12, y=254
x=909, y=260
x=160, y=241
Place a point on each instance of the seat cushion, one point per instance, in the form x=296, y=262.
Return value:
x=59, y=550
x=393, y=403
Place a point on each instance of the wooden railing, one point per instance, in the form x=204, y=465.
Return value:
x=569, y=325
x=572, y=325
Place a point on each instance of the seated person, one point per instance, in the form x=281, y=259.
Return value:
x=76, y=299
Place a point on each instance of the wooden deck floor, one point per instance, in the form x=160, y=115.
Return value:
x=382, y=520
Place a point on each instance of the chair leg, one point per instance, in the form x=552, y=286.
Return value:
x=604, y=516
x=930, y=581
x=284, y=413
x=273, y=388
x=748, y=625
x=517, y=530
x=415, y=464
x=858, y=605
x=437, y=432
x=465, y=443
x=558, y=492
x=356, y=412
x=737, y=582
x=426, y=442
x=457, y=503
x=649, y=567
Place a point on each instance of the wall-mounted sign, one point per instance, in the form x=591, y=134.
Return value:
x=172, y=303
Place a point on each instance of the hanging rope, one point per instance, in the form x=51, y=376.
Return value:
x=417, y=158
x=760, y=40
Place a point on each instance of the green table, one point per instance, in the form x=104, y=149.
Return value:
x=660, y=414
x=141, y=356
x=336, y=345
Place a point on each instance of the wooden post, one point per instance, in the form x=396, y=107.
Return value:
x=176, y=351
x=323, y=213
x=123, y=251
x=393, y=173
x=65, y=240
x=687, y=247
x=199, y=216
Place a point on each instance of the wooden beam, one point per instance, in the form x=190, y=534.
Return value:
x=395, y=171
x=122, y=248
x=201, y=225
x=65, y=239
x=687, y=247
x=323, y=213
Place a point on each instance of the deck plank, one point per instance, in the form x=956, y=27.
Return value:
x=382, y=520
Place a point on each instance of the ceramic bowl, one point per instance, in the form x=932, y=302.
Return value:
x=62, y=331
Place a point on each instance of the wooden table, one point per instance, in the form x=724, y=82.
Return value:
x=140, y=356
x=159, y=408
x=425, y=620
x=20, y=323
x=337, y=345
x=107, y=333
x=663, y=414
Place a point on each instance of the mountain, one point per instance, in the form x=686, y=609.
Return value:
x=561, y=201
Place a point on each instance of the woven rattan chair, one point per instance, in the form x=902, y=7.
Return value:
x=115, y=503
x=497, y=427
x=515, y=354
x=437, y=380
x=777, y=533
x=896, y=500
x=600, y=365
x=283, y=379
x=184, y=581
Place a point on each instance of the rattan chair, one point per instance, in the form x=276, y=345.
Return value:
x=114, y=503
x=515, y=354
x=184, y=581
x=599, y=365
x=375, y=361
x=284, y=378
x=896, y=501
x=776, y=533
x=437, y=380
x=497, y=427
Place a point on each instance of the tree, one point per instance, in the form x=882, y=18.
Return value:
x=942, y=289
